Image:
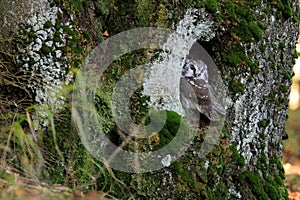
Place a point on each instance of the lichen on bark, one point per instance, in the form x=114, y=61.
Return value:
x=245, y=164
x=258, y=39
x=253, y=48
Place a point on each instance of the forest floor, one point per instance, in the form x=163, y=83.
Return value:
x=291, y=155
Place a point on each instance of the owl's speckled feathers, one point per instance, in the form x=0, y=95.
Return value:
x=196, y=93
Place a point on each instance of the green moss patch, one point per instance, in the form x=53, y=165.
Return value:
x=48, y=24
x=211, y=6
x=237, y=87
x=248, y=31
x=240, y=160
x=264, y=188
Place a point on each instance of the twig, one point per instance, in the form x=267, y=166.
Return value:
x=31, y=127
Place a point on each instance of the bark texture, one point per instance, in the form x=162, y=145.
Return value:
x=253, y=47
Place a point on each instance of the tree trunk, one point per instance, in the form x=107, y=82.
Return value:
x=254, y=48
x=252, y=43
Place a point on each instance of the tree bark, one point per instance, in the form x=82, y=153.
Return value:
x=254, y=48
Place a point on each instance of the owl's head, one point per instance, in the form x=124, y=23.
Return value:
x=195, y=69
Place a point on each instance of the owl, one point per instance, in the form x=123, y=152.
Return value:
x=196, y=95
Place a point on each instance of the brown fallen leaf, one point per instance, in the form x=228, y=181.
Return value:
x=19, y=192
x=106, y=34
x=294, y=195
x=78, y=195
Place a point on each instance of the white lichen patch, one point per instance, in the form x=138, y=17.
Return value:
x=14, y=12
x=162, y=77
x=44, y=60
x=233, y=194
x=206, y=164
x=260, y=112
x=246, y=121
x=166, y=161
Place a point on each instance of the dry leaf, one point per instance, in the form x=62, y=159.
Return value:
x=106, y=34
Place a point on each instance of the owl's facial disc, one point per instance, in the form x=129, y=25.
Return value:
x=188, y=71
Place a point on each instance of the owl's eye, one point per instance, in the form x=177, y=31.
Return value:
x=193, y=68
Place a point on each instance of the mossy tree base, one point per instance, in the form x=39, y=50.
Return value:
x=243, y=51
